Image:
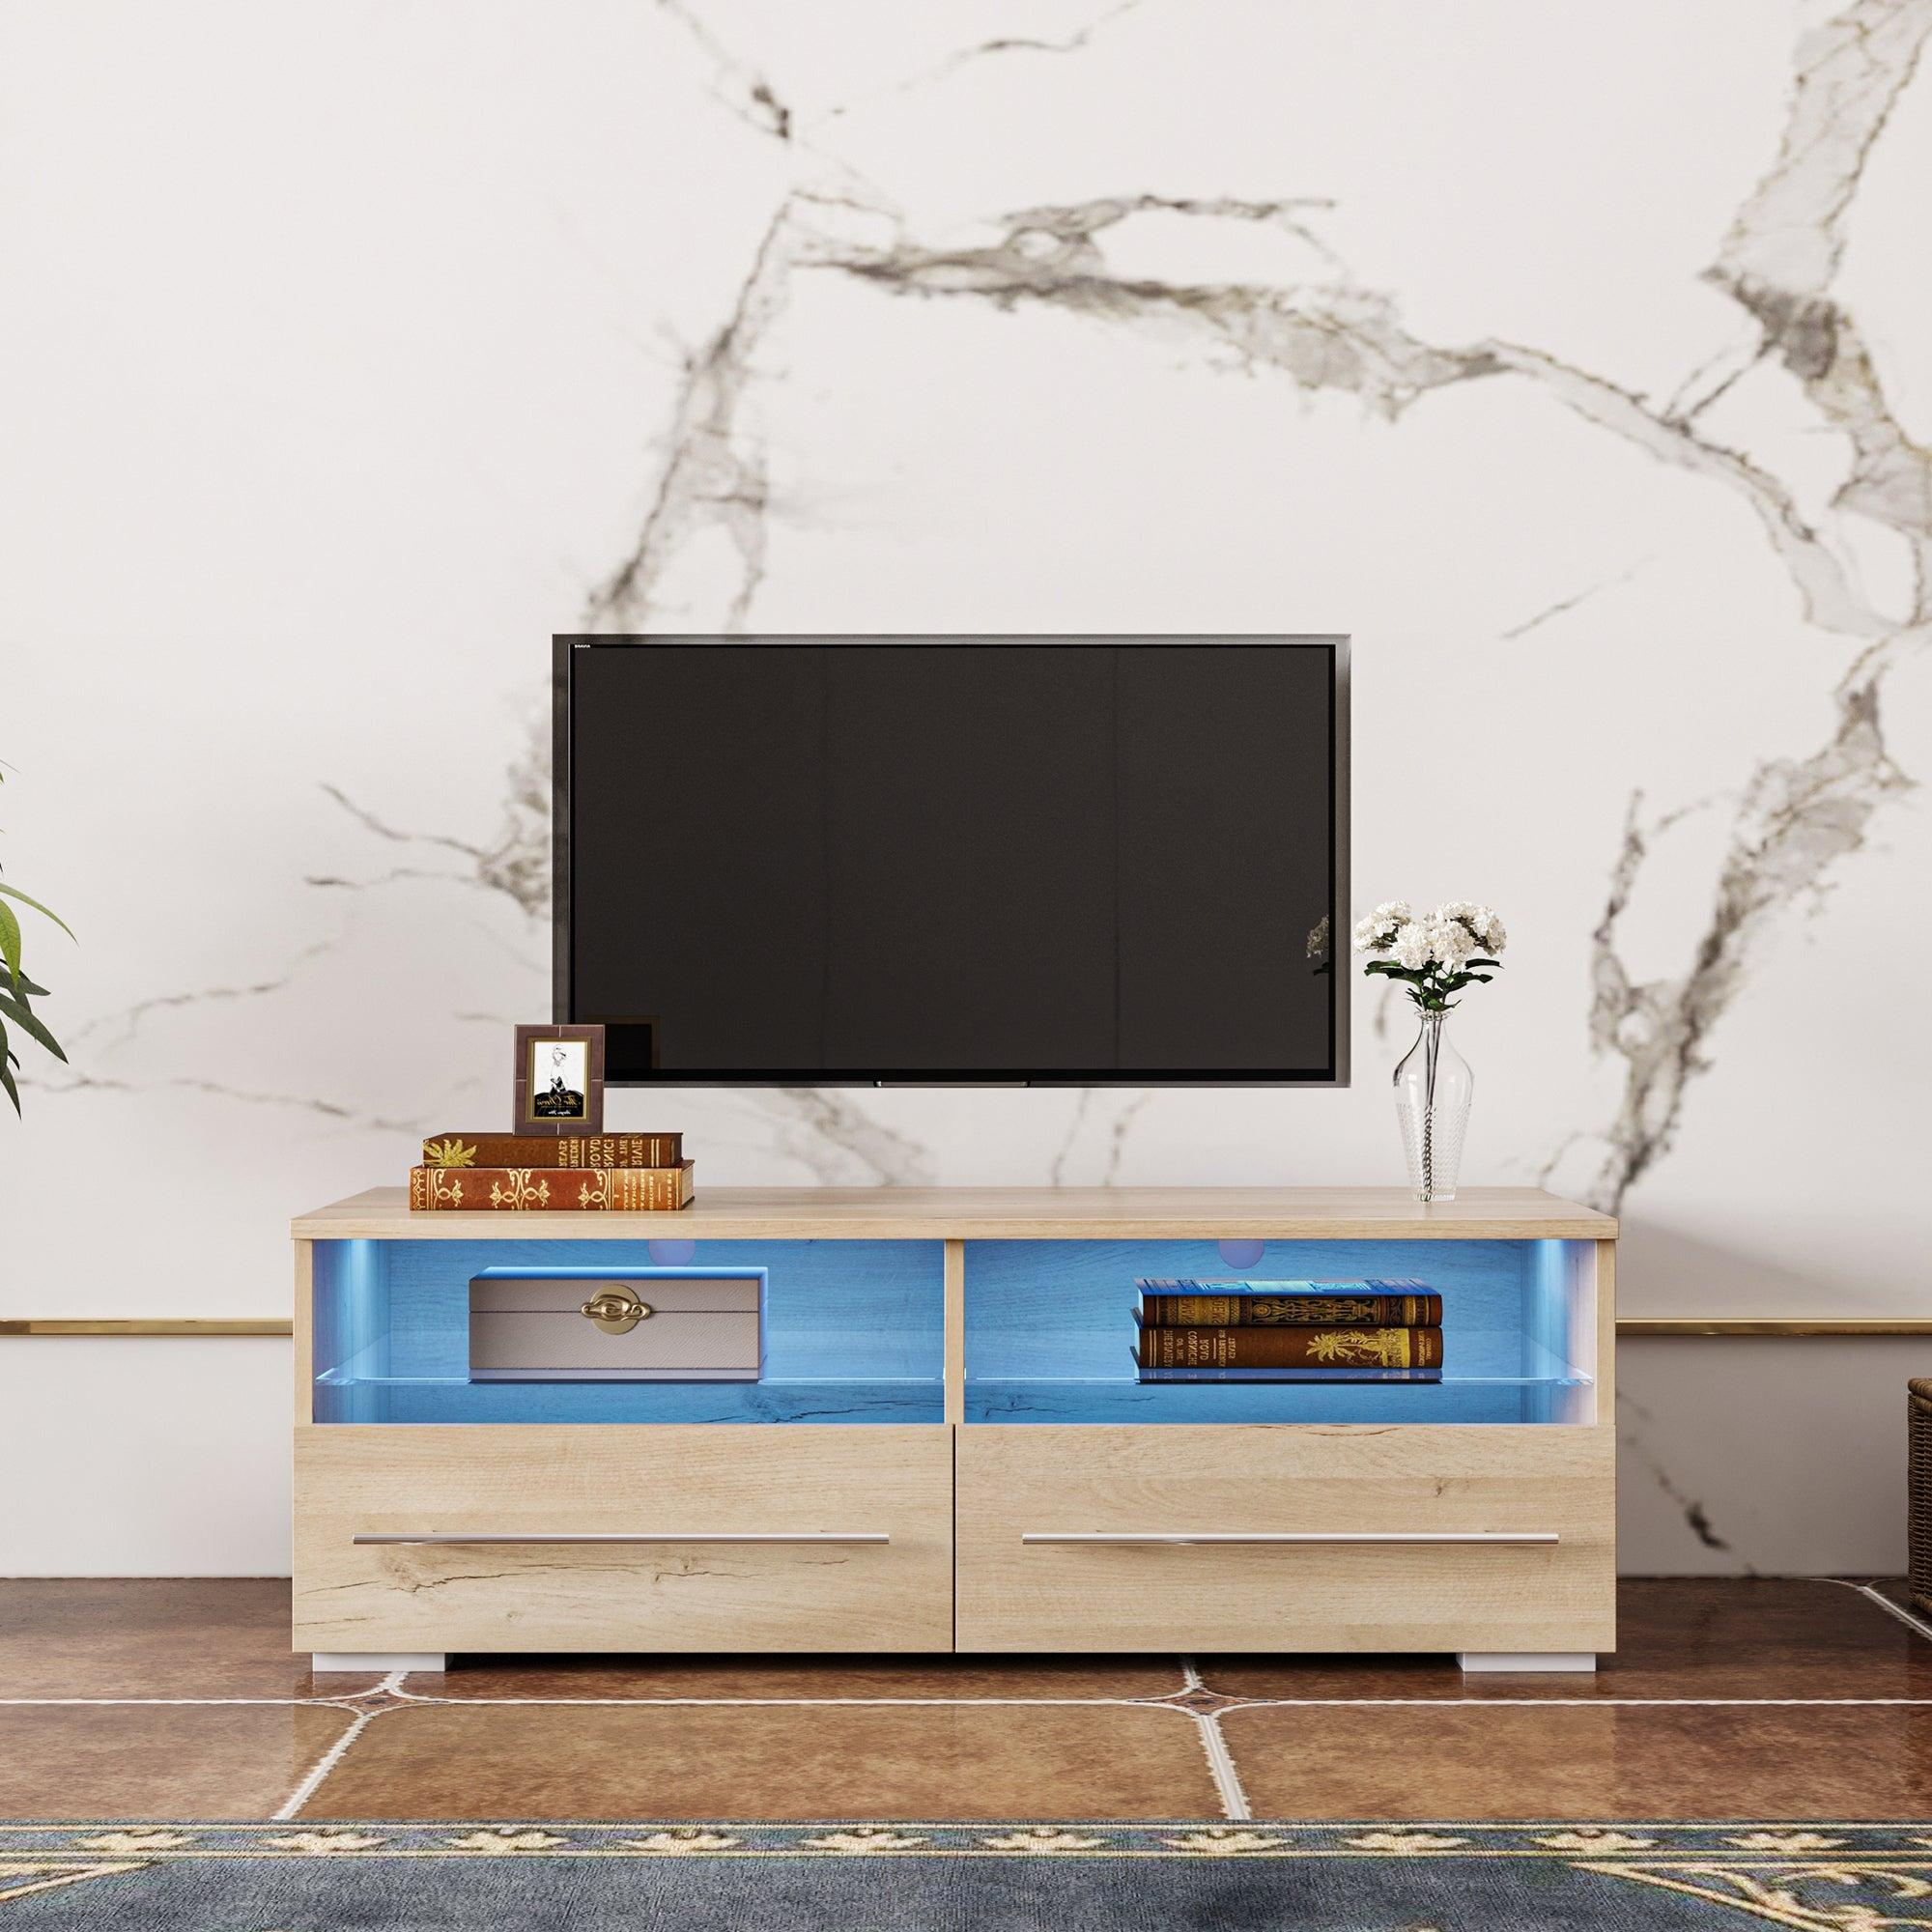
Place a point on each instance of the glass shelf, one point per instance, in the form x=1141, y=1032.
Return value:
x=342, y=1397
x=1122, y=1398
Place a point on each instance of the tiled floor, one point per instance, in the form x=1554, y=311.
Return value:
x=1758, y=1699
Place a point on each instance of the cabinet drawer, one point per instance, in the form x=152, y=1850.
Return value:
x=623, y=1538
x=1312, y=1539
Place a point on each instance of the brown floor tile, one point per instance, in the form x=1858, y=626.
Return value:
x=159, y=1761
x=537, y=1761
x=1584, y=1762
x=151, y=1637
x=1677, y=1636
x=918, y=1677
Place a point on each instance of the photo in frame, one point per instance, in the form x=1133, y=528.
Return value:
x=559, y=1087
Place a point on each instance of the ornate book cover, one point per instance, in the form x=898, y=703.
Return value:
x=1288, y=1304
x=553, y=1150
x=536, y=1190
x=1148, y=1374
x=1282, y=1348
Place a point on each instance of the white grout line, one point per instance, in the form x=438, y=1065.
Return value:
x=1220, y=1760
x=1884, y=1603
x=1560, y=1703
x=810, y=1703
x=323, y=1765
x=334, y=1754
x=346, y=1701
x=1221, y=1768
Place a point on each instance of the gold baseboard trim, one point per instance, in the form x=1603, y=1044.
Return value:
x=1628, y=1325
x=1791, y=1325
x=171, y=1325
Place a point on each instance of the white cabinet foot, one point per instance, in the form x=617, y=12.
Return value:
x=1526, y=1659
x=380, y=1662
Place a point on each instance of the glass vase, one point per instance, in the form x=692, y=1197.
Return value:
x=1433, y=1091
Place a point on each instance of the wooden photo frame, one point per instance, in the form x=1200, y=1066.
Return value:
x=559, y=1085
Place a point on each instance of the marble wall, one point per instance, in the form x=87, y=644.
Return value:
x=1573, y=360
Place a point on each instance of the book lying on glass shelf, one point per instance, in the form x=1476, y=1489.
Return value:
x=1332, y=1348
x=1148, y=1374
x=1288, y=1304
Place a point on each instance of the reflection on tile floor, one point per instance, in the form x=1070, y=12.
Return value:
x=156, y=1700
x=920, y=1760
x=159, y=1760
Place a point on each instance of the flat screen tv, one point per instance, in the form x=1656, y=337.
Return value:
x=1064, y=861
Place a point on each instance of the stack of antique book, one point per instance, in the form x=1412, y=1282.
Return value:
x=1288, y=1331
x=552, y=1173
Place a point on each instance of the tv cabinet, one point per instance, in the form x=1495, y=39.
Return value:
x=949, y=1450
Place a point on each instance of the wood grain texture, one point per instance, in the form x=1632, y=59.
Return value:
x=708, y=1478
x=304, y=1333
x=201, y=1327
x=516, y=1478
x=955, y=1331
x=994, y=1213
x=1294, y=1597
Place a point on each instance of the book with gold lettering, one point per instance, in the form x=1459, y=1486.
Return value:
x=538, y=1190
x=1282, y=1348
x=1289, y=1375
x=1288, y=1304
x=476, y=1150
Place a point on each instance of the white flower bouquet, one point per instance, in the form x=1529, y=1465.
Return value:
x=1438, y=954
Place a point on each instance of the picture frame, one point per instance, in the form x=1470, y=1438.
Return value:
x=560, y=1080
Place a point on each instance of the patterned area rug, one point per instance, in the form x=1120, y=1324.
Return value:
x=991, y=1878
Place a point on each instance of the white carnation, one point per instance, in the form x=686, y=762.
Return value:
x=1394, y=912
x=1410, y=945
x=1462, y=909
x=1495, y=935
x=1372, y=932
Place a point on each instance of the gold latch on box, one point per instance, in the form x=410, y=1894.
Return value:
x=615, y=1310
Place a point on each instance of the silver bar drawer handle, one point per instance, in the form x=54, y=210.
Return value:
x=1184, y=1536
x=691, y=1536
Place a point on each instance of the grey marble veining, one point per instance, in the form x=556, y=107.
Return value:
x=516, y=862
x=834, y=1137
x=1797, y=817
x=766, y=247
x=713, y=473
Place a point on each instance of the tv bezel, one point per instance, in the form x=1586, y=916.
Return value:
x=565, y=645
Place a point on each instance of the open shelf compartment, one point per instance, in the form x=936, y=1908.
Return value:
x=1050, y=1331
x=854, y=1333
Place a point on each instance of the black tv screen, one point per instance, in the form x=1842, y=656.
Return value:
x=1080, y=860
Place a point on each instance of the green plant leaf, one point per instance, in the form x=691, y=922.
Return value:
x=7, y=1081
x=9, y=941
x=14, y=1011
x=18, y=982
x=15, y=893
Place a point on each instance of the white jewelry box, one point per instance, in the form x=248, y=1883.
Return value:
x=644, y=1324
